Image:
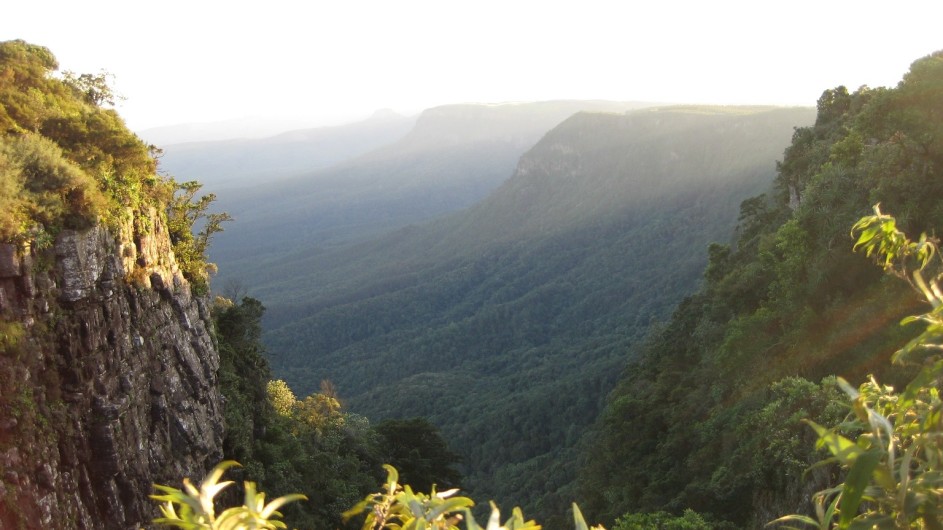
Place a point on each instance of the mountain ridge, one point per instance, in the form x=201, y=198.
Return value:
x=517, y=317
x=223, y=164
x=418, y=177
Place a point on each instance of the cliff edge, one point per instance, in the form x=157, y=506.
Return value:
x=108, y=371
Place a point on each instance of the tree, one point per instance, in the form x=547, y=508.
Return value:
x=95, y=89
x=281, y=397
x=184, y=213
x=418, y=450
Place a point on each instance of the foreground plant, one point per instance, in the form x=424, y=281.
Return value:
x=399, y=508
x=194, y=508
x=894, y=468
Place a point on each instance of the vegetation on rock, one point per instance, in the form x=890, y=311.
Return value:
x=67, y=161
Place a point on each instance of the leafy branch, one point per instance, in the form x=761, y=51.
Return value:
x=184, y=212
x=399, y=508
x=194, y=509
x=894, y=468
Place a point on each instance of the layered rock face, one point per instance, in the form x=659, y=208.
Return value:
x=107, y=379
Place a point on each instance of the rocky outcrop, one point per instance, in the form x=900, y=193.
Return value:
x=108, y=373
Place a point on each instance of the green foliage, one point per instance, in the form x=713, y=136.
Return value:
x=184, y=214
x=243, y=372
x=194, y=509
x=11, y=333
x=690, y=520
x=281, y=397
x=894, y=467
x=96, y=89
x=396, y=507
x=309, y=445
x=531, y=300
x=399, y=508
x=789, y=298
x=417, y=449
x=881, y=240
x=65, y=160
x=43, y=191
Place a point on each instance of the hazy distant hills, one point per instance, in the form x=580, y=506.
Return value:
x=452, y=157
x=508, y=323
x=247, y=161
x=221, y=130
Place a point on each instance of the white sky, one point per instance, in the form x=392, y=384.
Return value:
x=339, y=60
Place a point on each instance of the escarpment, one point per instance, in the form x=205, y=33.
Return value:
x=108, y=370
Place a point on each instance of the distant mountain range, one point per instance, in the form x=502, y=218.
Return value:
x=451, y=158
x=239, y=128
x=238, y=162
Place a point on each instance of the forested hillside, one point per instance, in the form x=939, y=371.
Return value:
x=507, y=324
x=707, y=417
x=311, y=445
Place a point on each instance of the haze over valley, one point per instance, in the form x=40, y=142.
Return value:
x=592, y=262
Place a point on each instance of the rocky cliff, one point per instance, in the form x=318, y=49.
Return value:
x=108, y=373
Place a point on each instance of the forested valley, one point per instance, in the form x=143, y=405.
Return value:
x=529, y=300
x=507, y=324
x=649, y=311
x=512, y=319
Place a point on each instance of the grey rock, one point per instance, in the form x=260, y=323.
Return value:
x=9, y=261
x=122, y=377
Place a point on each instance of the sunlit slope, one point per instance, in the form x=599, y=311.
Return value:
x=709, y=416
x=453, y=157
x=508, y=323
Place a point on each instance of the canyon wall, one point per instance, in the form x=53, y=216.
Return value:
x=107, y=378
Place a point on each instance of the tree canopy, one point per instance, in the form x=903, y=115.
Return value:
x=708, y=417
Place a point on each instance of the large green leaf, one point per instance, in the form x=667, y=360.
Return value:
x=859, y=476
x=845, y=450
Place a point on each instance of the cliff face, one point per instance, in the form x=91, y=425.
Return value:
x=108, y=374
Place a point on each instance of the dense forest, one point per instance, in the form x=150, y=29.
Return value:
x=707, y=417
x=530, y=300
x=312, y=445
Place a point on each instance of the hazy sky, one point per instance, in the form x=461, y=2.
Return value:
x=339, y=60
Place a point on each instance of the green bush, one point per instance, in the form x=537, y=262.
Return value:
x=691, y=520
x=41, y=189
x=894, y=465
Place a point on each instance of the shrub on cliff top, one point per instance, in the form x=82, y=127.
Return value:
x=69, y=161
x=65, y=158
